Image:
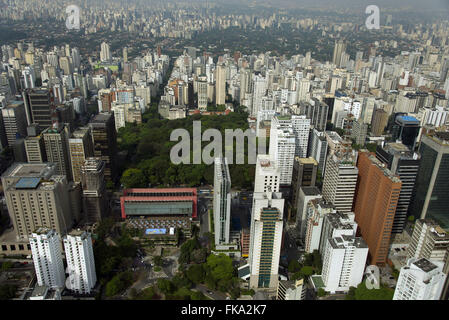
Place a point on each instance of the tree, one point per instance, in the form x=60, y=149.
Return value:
x=158, y=261
x=294, y=266
x=8, y=291
x=363, y=293
x=306, y=270
x=321, y=292
x=133, y=178
x=196, y=273
x=166, y=286
x=220, y=266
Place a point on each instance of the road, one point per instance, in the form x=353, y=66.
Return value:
x=214, y=295
x=203, y=204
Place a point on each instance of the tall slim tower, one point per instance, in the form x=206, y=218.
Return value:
x=93, y=185
x=80, y=147
x=105, y=52
x=377, y=196
x=339, y=50
x=265, y=239
x=47, y=257
x=220, y=85
x=222, y=201
x=80, y=262
x=56, y=148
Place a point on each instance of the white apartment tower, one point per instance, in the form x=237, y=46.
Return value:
x=340, y=181
x=282, y=149
x=220, y=85
x=267, y=174
x=47, y=257
x=80, y=262
x=265, y=239
x=105, y=52
x=222, y=201
x=420, y=279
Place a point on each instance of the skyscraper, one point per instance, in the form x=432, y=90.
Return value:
x=220, y=85
x=401, y=161
x=376, y=199
x=80, y=147
x=340, y=180
x=429, y=241
x=222, y=202
x=80, y=262
x=36, y=197
x=339, y=51
x=282, y=149
x=431, y=195
x=40, y=107
x=406, y=130
x=56, y=148
x=266, y=237
x=105, y=142
x=34, y=145
x=93, y=185
x=105, y=52
x=267, y=174
x=47, y=257
x=14, y=121
x=318, y=149
x=420, y=279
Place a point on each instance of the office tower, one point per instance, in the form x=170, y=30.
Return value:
x=29, y=77
x=245, y=84
x=47, y=257
x=431, y=194
x=406, y=130
x=339, y=51
x=344, y=262
x=93, y=186
x=359, y=132
x=340, y=180
x=420, y=279
x=125, y=54
x=304, y=175
x=65, y=65
x=105, y=52
x=79, y=255
x=76, y=58
x=14, y=121
x=306, y=194
x=35, y=197
x=80, y=148
x=202, y=93
x=34, y=145
x=220, y=85
x=379, y=121
x=404, y=163
x=267, y=174
x=317, y=209
x=291, y=290
x=429, y=241
x=40, y=107
x=301, y=129
x=318, y=149
x=259, y=91
x=376, y=199
x=222, y=202
x=303, y=88
x=105, y=142
x=56, y=148
x=317, y=111
x=266, y=237
x=282, y=150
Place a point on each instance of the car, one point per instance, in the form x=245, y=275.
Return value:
x=209, y=292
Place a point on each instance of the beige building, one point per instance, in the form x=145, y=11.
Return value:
x=36, y=197
x=56, y=148
x=80, y=148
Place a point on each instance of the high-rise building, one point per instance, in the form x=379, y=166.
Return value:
x=105, y=52
x=406, y=130
x=337, y=224
x=344, y=261
x=317, y=209
x=432, y=188
x=291, y=290
x=202, y=92
x=40, y=107
x=379, y=121
x=220, y=85
x=401, y=161
x=420, y=279
x=222, y=202
x=318, y=149
x=14, y=121
x=267, y=174
x=282, y=149
x=339, y=51
x=266, y=237
x=80, y=262
x=340, y=180
x=34, y=145
x=376, y=199
x=359, y=132
x=93, y=186
x=80, y=148
x=105, y=142
x=35, y=197
x=304, y=175
x=306, y=194
x=47, y=257
x=56, y=148
x=429, y=241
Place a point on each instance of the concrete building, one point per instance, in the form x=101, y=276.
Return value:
x=95, y=203
x=34, y=145
x=420, y=279
x=431, y=200
x=306, y=194
x=344, y=263
x=36, y=197
x=318, y=149
x=56, y=148
x=340, y=180
x=266, y=237
x=359, y=132
x=379, y=121
x=429, y=241
x=267, y=174
x=80, y=262
x=336, y=224
x=282, y=150
x=404, y=163
x=40, y=107
x=222, y=202
x=317, y=209
x=376, y=199
x=14, y=121
x=47, y=257
x=220, y=85
x=304, y=175
x=291, y=290
x=80, y=148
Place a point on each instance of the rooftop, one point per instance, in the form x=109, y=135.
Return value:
x=425, y=265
